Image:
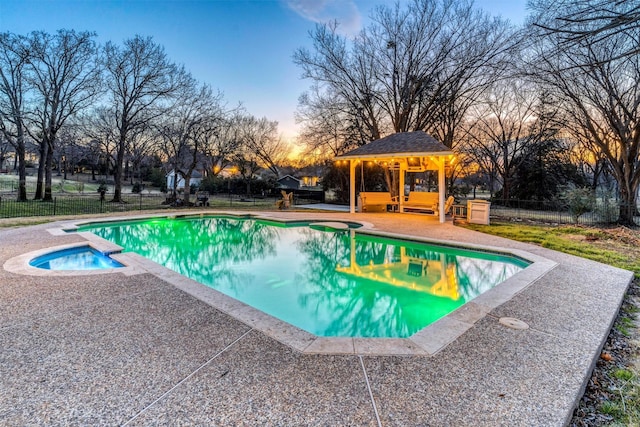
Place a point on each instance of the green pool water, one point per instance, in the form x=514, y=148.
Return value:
x=336, y=283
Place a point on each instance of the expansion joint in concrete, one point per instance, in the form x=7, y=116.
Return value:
x=179, y=383
x=373, y=401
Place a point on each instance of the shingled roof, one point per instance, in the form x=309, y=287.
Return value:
x=401, y=144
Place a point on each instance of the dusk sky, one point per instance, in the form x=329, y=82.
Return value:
x=242, y=48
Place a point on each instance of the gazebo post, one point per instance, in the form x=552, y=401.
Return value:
x=401, y=187
x=352, y=186
x=441, y=188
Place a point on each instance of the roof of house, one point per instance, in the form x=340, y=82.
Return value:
x=401, y=144
x=288, y=176
x=194, y=174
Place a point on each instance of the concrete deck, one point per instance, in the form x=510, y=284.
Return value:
x=118, y=349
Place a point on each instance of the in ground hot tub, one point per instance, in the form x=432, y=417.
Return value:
x=78, y=258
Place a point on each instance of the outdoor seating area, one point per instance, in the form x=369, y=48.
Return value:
x=417, y=201
x=422, y=201
x=376, y=201
x=399, y=154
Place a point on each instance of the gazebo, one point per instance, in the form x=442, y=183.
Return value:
x=406, y=152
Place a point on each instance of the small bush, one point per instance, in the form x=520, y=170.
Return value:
x=102, y=188
x=213, y=184
x=158, y=178
x=460, y=191
x=579, y=201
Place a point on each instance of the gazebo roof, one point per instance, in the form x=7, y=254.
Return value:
x=402, y=144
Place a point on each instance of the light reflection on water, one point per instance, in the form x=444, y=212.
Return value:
x=327, y=283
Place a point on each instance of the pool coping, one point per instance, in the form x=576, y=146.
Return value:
x=426, y=342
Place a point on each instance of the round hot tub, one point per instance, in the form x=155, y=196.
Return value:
x=78, y=258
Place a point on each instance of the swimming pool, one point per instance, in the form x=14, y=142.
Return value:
x=327, y=280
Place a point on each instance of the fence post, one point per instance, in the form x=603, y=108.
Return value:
x=140, y=200
x=55, y=199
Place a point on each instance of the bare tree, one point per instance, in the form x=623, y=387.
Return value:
x=592, y=165
x=100, y=128
x=333, y=67
x=223, y=144
x=5, y=149
x=591, y=21
x=259, y=136
x=597, y=87
x=69, y=149
x=411, y=66
x=189, y=130
x=328, y=128
x=247, y=163
x=141, y=82
x=142, y=144
x=63, y=69
x=504, y=126
x=417, y=66
x=13, y=58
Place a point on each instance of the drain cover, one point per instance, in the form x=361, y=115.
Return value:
x=513, y=323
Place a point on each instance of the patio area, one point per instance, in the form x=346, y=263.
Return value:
x=116, y=349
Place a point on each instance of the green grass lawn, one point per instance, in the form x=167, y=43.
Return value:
x=9, y=183
x=613, y=246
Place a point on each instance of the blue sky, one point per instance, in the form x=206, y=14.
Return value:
x=243, y=48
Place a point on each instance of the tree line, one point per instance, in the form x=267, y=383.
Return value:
x=531, y=110
x=119, y=104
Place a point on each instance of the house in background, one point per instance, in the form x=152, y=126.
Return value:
x=311, y=175
x=289, y=182
x=196, y=179
x=310, y=181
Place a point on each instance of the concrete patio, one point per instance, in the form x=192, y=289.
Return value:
x=116, y=349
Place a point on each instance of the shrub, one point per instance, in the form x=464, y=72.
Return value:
x=579, y=201
x=460, y=191
x=214, y=184
x=102, y=188
x=157, y=178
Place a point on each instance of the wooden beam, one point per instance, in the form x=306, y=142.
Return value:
x=441, y=188
x=352, y=186
x=401, y=174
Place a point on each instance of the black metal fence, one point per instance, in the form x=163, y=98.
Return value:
x=603, y=212
x=77, y=205
x=307, y=196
